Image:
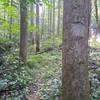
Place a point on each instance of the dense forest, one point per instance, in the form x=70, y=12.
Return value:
x=49, y=49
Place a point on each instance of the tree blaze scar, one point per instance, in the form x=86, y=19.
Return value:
x=78, y=30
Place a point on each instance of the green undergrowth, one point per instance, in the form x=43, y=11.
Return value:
x=46, y=45
x=48, y=74
x=44, y=70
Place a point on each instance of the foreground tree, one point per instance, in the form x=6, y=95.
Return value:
x=75, y=82
x=23, y=30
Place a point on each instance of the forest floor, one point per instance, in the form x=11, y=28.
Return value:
x=48, y=76
x=45, y=69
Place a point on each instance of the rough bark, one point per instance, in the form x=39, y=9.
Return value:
x=75, y=82
x=23, y=30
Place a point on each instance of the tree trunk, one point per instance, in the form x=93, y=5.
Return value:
x=75, y=82
x=53, y=28
x=50, y=19
x=43, y=19
x=37, y=30
x=97, y=16
x=23, y=30
x=59, y=7
x=32, y=23
x=10, y=22
x=96, y=11
x=4, y=18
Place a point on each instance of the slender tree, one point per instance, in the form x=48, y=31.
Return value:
x=50, y=18
x=59, y=7
x=75, y=82
x=37, y=25
x=53, y=28
x=43, y=19
x=10, y=21
x=32, y=22
x=96, y=10
x=4, y=18
x=23, y=30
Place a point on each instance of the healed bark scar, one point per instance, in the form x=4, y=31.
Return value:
x=78, y=30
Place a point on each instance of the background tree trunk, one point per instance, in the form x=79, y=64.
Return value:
x=10, y=21
x=37, y=30
x=59, y=7
x=75, y=82
x=96, y=11
x=43, y=19
x=53, y=28
x=32, y=23
x=23, y=30
x=50, y=13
